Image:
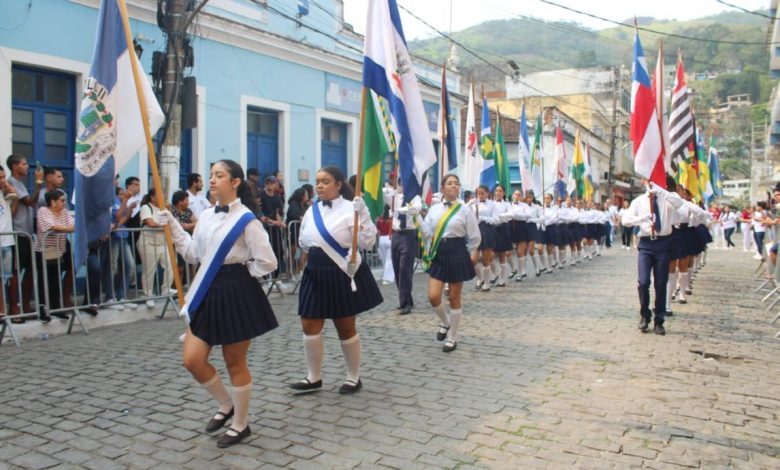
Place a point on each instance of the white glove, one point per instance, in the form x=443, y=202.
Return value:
x=164, y=217
x=359, y=205
x=655, y=189
x=646, y=218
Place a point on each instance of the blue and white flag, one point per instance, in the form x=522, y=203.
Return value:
x=110, y=128
x=524, y=157
x=388, y=71
x=487, y=175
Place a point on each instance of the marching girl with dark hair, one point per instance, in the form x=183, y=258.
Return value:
x=565, y=236
x=503, y=248
x=331, y=287
x=519, y=231
x=551, y=234
x=679, y=249
x=485, y=211
x=225, y=304
x=534, y=232
x=452, y=233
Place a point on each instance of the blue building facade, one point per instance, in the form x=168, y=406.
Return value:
x=276, y=89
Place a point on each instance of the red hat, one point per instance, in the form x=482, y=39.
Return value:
x=393, y=174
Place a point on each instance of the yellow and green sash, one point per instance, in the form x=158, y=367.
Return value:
x=438, y=234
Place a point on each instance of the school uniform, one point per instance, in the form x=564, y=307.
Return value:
x=503, y=216
x=486, y=216
x=654, y=221
x=404, y=247
x=535, y=224
x=234, y=307
x=326, y=290
x=550, y=216
x=519, y=224
x=452, y=260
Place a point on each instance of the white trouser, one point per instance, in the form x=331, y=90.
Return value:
x=747, y=236
x=153, y=255
x=387, y=261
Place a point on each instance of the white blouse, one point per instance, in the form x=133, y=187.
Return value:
x=463, y=224
x=487, y=211
x=503, y=212
x=251, y=248
x=339, y=218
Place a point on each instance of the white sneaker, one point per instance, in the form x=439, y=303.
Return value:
x=130, y=305
x=114, y=305
x=150, y=303
x=758, y=257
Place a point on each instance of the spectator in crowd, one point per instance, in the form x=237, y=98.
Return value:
x=133, y=186
x=279, y=185
x=197, y=201
x=52, y=179
x=298, y=204
x=626, y=231
x=123, y=259
x=271, y=208
x=23, y=216
x=7, y=194
x=54, y=223
x=384, y=226
x=153, y=250
x=309, y=193
x=717, y=227
x=253, y=178
x=182, y=211
x=745, y=222
x=759, y=228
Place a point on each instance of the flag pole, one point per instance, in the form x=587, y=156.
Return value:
x=541, y=154
x=150, y=148
x=444, y=118
x=358, y=180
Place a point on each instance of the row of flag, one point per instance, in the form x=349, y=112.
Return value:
x=669, y=145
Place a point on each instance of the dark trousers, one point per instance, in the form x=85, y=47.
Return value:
x=727, y=233
x=608, y=235
x=625, y=234
x=758, y=237
x=403, y=248
x=654, y=258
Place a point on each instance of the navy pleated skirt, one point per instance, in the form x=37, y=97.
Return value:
x=326, y=290
x=452, y=262
x=703, y=237
x=535, y=234
x=503, y=238
x=235, y=308
x=551, y=235
x=489, y=237
x=678, y=244
x=592, y=231
x=520, y=229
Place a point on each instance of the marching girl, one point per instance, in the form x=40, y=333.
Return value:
x=565, y=235
x=551, y=232
x=503, y=248
x=485, y=211
x=519, y=224
x=330, y=287
x=225, y=304
x=534, y=232
x=679, y=249
x=589, y=220
x=453, y=234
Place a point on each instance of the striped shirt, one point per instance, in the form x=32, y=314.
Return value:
x=46, y=220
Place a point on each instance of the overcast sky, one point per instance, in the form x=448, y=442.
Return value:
x=467, y=13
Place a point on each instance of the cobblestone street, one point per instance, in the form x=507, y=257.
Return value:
x=550, y=372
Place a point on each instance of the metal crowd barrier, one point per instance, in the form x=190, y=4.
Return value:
x=13, y=284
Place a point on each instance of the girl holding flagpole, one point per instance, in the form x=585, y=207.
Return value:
x=225, y=304
x=503, y=211
x=520, y=215
x=453, y=234
x=331, y=288
x=535, y=232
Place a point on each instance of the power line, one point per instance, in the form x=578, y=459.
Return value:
x=642, y=28
x=757, y=13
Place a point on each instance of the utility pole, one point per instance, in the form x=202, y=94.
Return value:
x=177, y=20
x=613, y=132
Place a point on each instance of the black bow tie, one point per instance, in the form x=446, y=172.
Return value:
x=447, y=204
x=218, y=209
x=327, y=203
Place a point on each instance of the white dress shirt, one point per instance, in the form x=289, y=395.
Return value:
x=520, y=211
x=503, y=212
x=550, y=215
x=339, y=220
x=462, y=224
x=640, y=213
x=251, y=248
x=486, y=210
x=198, y=203
x=410, y=210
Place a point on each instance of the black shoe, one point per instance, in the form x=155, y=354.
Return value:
x=91, y=310
x=442, y=333
x=304, y=386
x=449, y=346
x=644, y=324
x=60, y=315
x=659, y=329
x=350, y=387
x=228, y=440
x=669, y=313
x=493, y=281
x=682, y=301
x=44, y=317
x=519, y=279
x=538, y=273
x=512, y=274
x=218, y=423
x=405, y=311
x=524, y=275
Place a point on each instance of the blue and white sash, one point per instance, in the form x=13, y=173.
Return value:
x=331, y=247
x=213, y=260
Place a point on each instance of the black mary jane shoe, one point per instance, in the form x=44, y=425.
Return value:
x=350, y=386
x=442, y=333
x=217, y=423
x=229, y=439
x=306, y=386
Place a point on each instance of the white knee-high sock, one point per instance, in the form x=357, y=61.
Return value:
x=504, y=273
x=683, y=277
x=670, y=289
x=441, y=312
x=548, y=261
x=522, y=265
x=217, y=389
x=241, y=396
x=494, y=269
x=455, y=316
x=478, y=270
x=511, y=260
x=314, y=349
x=351, y=349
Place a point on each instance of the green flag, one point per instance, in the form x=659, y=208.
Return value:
x=375, y=149
x=501, y=161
